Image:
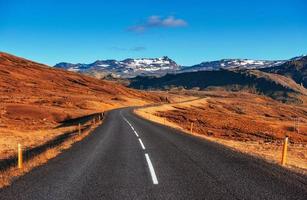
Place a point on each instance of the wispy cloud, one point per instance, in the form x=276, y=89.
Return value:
x=158, y=22
x=137, y=48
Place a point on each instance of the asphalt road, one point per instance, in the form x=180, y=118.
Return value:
x=131, y=158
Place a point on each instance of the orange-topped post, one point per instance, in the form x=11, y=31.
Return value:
x=19, y=156
x=284, y=152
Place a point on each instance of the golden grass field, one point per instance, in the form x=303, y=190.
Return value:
x=249, y=123
x=29, y=124
x=7, y=176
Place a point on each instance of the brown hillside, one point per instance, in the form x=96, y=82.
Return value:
x=35, y=99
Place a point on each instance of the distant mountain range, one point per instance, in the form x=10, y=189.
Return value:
x=126, y=68
x=280, y=79
x=130, y=68
x=284, y=82
x=232, y=64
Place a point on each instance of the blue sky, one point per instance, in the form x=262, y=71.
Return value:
x=51, y=31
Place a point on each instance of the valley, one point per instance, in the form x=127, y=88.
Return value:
x=249, y=111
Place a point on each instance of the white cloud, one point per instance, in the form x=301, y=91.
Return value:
x=158, y=21
x=173, y=22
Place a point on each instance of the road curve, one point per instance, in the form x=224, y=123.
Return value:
x=131, y=158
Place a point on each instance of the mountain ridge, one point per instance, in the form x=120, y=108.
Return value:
x=295, y=69
x=126, y=68
x=233, y=64
x=130, y=67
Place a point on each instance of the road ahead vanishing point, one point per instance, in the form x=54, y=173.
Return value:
x=131, y=158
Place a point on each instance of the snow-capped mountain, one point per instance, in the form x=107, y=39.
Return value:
x=299, y=57
x=126, y=68
x=130, y=68
x=232, y=64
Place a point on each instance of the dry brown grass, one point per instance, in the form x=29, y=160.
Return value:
x=7, y=176
x=32, y=129
x=234, y=119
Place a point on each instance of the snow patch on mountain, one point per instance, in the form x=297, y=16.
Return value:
x=129, y=68
x=126, y=68
x=233, y=64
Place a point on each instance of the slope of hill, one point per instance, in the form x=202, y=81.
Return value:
x=126, y=68
x=273, y=85
x=295, y=68
x=36, y=99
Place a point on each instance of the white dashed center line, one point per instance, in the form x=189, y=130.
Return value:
x=143, y=147
x=151, y=169
x=136, y=134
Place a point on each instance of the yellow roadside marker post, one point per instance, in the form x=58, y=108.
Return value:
x=284, y=152
x=19, y=156
x=79, y=128
x=191, y=128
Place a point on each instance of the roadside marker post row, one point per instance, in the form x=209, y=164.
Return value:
x=285, y=145
x=284, y=150
x=19, y=147
x=100, y=117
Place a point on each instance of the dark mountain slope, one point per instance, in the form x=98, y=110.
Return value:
x=295, y=69
x=273, y=85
